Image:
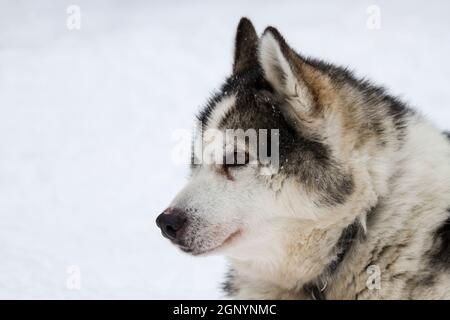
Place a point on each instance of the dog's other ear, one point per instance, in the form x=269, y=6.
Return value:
x=284, y=69
x=245, y=51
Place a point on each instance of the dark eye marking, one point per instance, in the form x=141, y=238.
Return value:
x=223, y=170
x=239, y=159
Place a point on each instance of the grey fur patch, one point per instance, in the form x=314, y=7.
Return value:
x=228, y=286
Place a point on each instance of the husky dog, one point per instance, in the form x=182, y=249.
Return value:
x=359, y=207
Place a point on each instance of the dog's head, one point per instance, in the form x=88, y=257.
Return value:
x=299, y=153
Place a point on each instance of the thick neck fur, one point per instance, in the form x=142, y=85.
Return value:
x=298, y=262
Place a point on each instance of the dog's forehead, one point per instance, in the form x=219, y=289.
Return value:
x=220, y=111
x=244, y=102
x=222, y=103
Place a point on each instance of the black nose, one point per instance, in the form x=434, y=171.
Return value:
x=170, y=222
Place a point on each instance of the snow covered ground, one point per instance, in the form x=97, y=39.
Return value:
x=87, y=116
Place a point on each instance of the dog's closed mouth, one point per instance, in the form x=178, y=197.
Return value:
x=185, y=249
x=231, y=238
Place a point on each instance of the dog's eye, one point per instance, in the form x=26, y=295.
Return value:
x=237, y=159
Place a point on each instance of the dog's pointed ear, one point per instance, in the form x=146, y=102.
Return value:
x=293, y=78
x=246, y=44
x=283, y=68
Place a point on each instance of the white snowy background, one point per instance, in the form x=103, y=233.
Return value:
x=87, y=116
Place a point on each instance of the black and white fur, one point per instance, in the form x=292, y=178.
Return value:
x=363, y=181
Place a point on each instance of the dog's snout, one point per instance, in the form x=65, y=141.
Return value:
x=171, y=222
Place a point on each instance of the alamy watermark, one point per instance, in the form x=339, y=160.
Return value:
x=228, y=147
x=73, y=280
x=373, y=21
x=374, y=280
x=73, y=21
